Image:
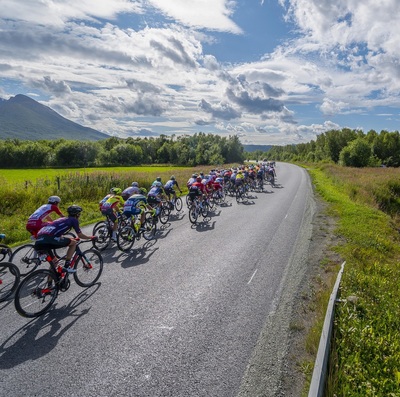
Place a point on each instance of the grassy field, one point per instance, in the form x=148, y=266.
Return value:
x=366, y=347
x=25, y=190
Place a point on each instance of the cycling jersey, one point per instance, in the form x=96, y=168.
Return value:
x=155, y=191
x=133, y=205
x=170, y=184
x=114, y=202
x=37, y=219
x=129, y=191
x=59, y=227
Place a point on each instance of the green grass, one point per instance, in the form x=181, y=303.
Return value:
x=366, y=359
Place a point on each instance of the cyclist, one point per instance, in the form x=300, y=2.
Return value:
x=191, y=180
x=157, y=181
x=133, y=189
x=156, y=195
x=112, y=207
x=41, y=216
x=169, y=188
x=239, y=181
x=137, y=204
x=51, y=235
x=197, y=189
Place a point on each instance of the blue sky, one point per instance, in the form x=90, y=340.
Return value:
x=269, y=71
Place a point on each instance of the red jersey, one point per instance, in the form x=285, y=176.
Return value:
x=38, y=219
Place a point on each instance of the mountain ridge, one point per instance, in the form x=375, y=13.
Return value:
x=22, y=117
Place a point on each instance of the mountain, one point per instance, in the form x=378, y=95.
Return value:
x=253, y=148
x=24, y=118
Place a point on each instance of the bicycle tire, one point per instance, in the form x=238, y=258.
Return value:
x=125, y=238
x=205, y=209
x=5, y=253
x=150, y=226
x=36, y=293
x=89, y=267
x=96, y=226
x=164, y=214
x=9, y=279
x=239, y=195
x=178, y=204
x=103, y=236
x=26, y=259
x=193, y=213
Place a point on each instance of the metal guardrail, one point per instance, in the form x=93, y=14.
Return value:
x=321, y=362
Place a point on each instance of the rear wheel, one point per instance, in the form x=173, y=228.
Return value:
x=36, y=293
x=150, y=226
x=126, y=238
x=178, y=204
x=103, y=236
x=9, y=279
x=164, y=214
x=88, y=267
x=26, y=259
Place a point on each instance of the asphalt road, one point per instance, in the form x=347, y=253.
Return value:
x=202, y=311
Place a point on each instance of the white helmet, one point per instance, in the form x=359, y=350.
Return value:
x=54, y=200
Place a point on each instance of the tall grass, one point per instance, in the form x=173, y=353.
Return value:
x=366, y=359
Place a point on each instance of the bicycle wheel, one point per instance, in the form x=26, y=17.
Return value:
x=205, y=208
x=26, y=259
x=126, y=238
x=178, y=204
x=89, y=267
x=5, y=253
x=103, y=236
x=9, y=279
x=211, y=204
x=164, y=214
x=150, y=226
x=36, y=293
x=239, y=195
x=193, y=213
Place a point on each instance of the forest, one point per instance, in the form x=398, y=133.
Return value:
x=185, y=150
x=346, y=147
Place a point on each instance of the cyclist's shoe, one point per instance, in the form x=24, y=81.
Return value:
x=68, y=269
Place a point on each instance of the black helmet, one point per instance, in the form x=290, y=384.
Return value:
x=74, y=210
x=158, y=179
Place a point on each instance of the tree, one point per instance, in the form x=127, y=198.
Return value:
x=356, y=154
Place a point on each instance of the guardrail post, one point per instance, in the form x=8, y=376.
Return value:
x=318, y=379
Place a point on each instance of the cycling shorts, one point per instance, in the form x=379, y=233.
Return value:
x=110, y=213
x=45, y=243
x=133, y=211
x=153, y=200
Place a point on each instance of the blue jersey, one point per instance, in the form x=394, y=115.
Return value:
x=135, y=201
x=155, y=191
x=170, y=184
x=59, y=227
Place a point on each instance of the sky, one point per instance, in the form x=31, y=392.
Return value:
x=272, y=72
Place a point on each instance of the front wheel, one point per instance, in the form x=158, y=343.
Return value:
x=89, y=267
x=193, y=213
x=9, y=279
x=178, y=204
x=5, y=252
x=126, y=238
x=36, y=293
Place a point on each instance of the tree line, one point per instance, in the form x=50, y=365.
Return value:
x=193, y=150
x=352, y=148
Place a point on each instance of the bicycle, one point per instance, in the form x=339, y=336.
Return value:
x=9, y=279
x=163, y=212
x=37, y=292
x=5, y=250
x=197, y=207
x=27, y=259
x=176, y=204
x=103, y=231
x=134, y=231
